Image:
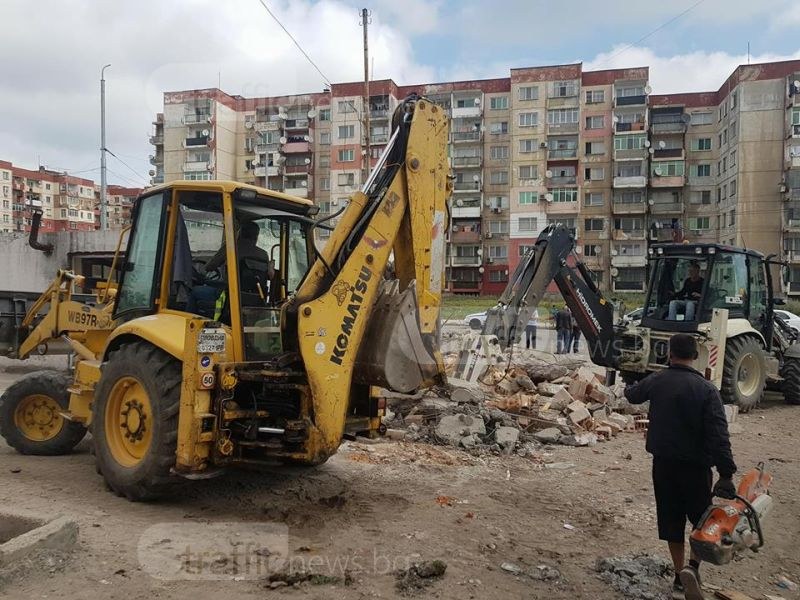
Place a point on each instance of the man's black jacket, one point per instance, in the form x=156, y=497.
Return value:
x=687, y=420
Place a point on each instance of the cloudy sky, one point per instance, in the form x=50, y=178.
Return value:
x=51, y=53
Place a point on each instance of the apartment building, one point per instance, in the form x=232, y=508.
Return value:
x=67, y=202
x=595, y=150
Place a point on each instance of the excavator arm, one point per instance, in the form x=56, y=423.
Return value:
x=546, y=262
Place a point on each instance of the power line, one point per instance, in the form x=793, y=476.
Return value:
x=296, y=43
x=656, y=30
x=125, y=177
x=134, y=171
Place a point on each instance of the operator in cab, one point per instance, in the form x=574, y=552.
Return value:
x=687, y=435
x=246, y=247
x=688, y=296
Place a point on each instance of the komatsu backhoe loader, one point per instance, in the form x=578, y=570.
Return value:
x=182, y=371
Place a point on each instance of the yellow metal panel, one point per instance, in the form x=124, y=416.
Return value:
x=228, y=187
x=87, y=374
x=165, y=330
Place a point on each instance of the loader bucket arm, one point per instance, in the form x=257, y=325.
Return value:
x=547, y=262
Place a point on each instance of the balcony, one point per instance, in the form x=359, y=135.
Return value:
x=666, y=181
x=195, y=165
x=794, y=130
x=199, y=117
x=629, y=286
x=194, y=142
x=465, y=261
x=296, y=148
x=628, y=127
x=293, y=124
x=668, y=126
x=562, y=180
x=628, y=261
x=666, y=208
x=793, y=256
x=467, y=236
x=634, y=181
x=562, y=128
x=262, y=126
x=631, y=154
x=626, y=208
x=156, y=179
x=379, y=138
x=264, y=148
x=300, y=192
x=465, y=286
x=662, y=153
x=561, y=153
x=466, y=186
x=630, y=100
x=465, y=212
x=466, y=161
x=302, y=169
x=627, y=234
x=157, y=140
x=379, y=112
x=466, y=136
x=470, y=112
x=156, y=159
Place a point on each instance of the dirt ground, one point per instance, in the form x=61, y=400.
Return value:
x=382, y=506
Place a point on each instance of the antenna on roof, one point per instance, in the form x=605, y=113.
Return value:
x=748, y=52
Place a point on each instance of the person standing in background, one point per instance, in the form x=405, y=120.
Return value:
x=575, y=337
x=530, y=330
x=563, y=330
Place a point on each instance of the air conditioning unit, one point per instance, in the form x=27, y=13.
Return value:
x=488, y=235
x=455, y=228
x=543, y=145
x=489, y=260
x=496, y=209
x=542, y=197
x=248, y=124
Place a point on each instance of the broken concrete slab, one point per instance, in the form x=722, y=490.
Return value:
x=506, y=387
x=551, y=435
x=546, y=388
x=506, y=437
x=525, y=382
x=546, y=372
x=561, y=399
x=452, y=428
x=22, y=535
x=622, y=421
x=579, y=439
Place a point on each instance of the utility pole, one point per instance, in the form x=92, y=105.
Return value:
x=368, y=158
x=103, y=186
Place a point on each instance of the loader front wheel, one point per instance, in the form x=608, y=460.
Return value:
x=744, y=373
x=135, y=420
x=30, y=415
x=791, y=380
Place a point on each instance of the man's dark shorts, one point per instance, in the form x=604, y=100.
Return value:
x=683, y=490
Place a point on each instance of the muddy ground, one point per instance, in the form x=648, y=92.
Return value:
x=375, y=508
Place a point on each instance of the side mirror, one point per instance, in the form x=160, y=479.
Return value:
x=778, y=302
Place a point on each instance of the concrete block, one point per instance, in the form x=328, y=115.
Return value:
x=603, y=432
x=622, y=421
x=561, y=399
x=548, y=436
x=579, y=439
x=579, y=389
x=452, y=428
x=586, y=374
x=59, y=534
x=548, y=389
x=507, y=387
x=577, y=412
x=506, y=436
x=602, y=394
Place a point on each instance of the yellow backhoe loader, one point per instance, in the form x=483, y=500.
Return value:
x=230, y=339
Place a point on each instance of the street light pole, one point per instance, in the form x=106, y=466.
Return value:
x=103, y=187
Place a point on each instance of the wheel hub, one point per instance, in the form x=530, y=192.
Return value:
x=38, y=417
x=747, y=377
x=128, y=422
x=133, y=422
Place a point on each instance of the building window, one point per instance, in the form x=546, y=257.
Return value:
x=63, y=213
x=701, y=118
x=732, y=218
x=528, y=197
x=324, y=184
x=529, y=172
x=593, y=225
x=733, y=188
x=564, y=194
x=528, y=119
x=325, y=138
x=498, y=177
x=324, y=160
x=594, y=174
x=629, y=249
x=498, y=128
x=498, y=103
x=527, y=224
x=530, y=92
x=498, y=276
x=498, y=226
x=591, y=250
x=564, y=89
x=346, y=106
x=701, y=144
x=496, y=252
x=528, y=145
x=347, y=155
x=347, y=132
x=629, y=142
x=700, y=197
x=733, y=158
x=498, y=152
x=595, y=148
x=324, y=114
x=699, y=223
x=346, y=179
x=669, y=168
x=562, y=116
x=595, y=122
x=702, y=170
x=595, y=96
x=524, y=249
x=593, y=199
x=197, y=176
x=629, y=224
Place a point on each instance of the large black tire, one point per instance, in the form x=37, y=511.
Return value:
x=29, y=415
x=744, y=373
x=791, y=380
x=146, y=382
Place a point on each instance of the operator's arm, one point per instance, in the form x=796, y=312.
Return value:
x=681, y=293
x=718, y=441
x=639, y=392
x=216, y=260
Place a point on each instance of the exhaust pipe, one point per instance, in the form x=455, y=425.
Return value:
x=33, y=240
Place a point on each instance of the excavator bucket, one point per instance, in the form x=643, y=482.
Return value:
x=394, y=354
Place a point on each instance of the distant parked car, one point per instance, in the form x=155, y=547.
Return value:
x=634, y=316
x=477, y=320
x=791, y=319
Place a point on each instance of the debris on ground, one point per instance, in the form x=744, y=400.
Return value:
x=419, y=576
x=637, y=577
x=539, y=572
x=516, y=410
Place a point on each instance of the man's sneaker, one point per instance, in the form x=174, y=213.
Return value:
x=690, y=578
x=677, y=590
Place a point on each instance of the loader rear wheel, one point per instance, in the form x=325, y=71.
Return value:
x=30, y=415
x=791, y=380
x=744, y=374
x=135, y=420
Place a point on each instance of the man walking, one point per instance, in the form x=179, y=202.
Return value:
x=530, y=330
x=563, y=330
x=687, y=435
x=575, y=336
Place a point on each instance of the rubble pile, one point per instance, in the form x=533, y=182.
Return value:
x=639, y=577
x=518, y=410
